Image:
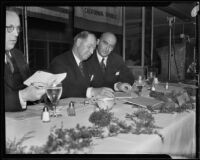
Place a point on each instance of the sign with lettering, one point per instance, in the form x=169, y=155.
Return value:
x=110, y=15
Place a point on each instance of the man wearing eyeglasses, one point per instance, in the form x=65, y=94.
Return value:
x=16, y=69
x=108, y=68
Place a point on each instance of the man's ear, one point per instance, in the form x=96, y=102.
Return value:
x=78, y=42
x=98, y=40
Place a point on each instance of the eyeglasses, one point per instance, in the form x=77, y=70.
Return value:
x=11, y=28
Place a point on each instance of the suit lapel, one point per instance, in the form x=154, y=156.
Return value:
x=76, y=68
x=21, y=64
x=98, y=65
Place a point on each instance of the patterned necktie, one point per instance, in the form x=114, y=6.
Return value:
x=9, y=61
x=81, y=68
x=103, y=66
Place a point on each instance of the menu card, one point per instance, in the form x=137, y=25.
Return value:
x=45, y=78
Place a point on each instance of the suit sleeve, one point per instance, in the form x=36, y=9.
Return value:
x=125, y=74
x=12, y=102
x=56, y=67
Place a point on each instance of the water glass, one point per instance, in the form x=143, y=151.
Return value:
x=54, y=93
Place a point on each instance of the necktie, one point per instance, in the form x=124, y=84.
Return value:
x=103, y=66
x=81, y=68
x=9, y=61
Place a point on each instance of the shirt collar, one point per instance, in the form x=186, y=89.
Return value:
x=100, y=58
x=76, y=59
x=9, y=55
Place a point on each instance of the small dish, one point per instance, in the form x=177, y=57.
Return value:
x=106, y=103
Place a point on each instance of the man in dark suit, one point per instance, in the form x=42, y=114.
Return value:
x=16, y=69
x=108, y=68
x=77, y=82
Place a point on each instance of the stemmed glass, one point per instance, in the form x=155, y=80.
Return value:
x=54, y=92
x=150, y=77
x=140, y=84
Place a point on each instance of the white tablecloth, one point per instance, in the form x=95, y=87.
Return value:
x=177, y=129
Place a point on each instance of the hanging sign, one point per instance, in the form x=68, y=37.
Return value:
x=109, y=15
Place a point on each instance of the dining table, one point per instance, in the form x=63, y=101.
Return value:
x=177, y=129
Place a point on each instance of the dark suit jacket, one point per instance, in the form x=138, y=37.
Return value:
x=74, y=85
x=116, y=71
x=13, y=82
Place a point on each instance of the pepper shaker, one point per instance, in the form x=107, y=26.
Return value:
x=45, y=114
x=71, y=109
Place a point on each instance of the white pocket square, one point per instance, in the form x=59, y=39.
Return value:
x=117, y=73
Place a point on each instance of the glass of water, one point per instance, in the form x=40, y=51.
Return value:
x=54, y=92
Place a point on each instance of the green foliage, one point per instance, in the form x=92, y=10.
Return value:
x=79, y=139
x=143, y=123
x=60, y=140
x=101, y=118
x=171, y=104
x=191, y=91
x=15, y=146
x=159, y=96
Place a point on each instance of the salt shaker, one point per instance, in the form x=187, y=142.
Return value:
x=45, y=115
x=140, y=79
x=153, y=87
x=166, y=86
x=71, y=109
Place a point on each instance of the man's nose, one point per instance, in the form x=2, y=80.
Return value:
x=108, y=48
x=91, y=51
x=15, y=32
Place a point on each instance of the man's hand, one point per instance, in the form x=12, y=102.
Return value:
x=124, y=87
x=102, y=92
x=32, y=93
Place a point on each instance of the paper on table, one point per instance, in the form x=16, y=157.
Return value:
x=143, y=101
x=45, y=77
x=122, y=95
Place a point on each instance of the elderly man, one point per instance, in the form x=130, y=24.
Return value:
x=108, y=68
x=16, y=69
x=77, y=82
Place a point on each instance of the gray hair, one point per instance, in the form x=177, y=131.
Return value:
x=12, y=9
x=83, y=35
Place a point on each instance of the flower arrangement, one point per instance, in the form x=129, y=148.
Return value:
x=101, y=118
x=60, y=140
x=170, y=104
x=15, y=146
x=79, y=139
x=144, y=123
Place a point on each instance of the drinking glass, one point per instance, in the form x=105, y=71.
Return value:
x=140, y=84
x=150, y=77
x=54, y=93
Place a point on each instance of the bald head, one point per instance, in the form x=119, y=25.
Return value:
x=109, y=35
x=84, y=45
x=106, y=44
